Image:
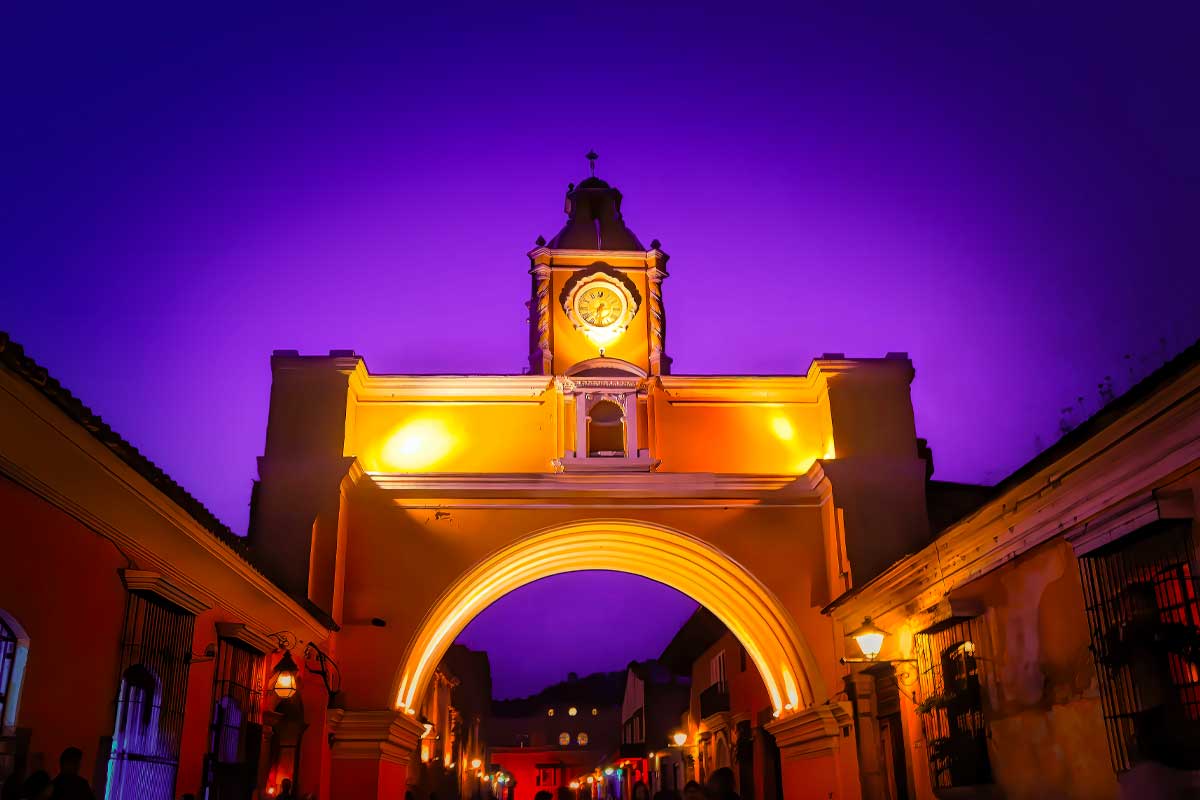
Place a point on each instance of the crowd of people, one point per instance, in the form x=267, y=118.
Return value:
x=68, y=784
x=721, y=785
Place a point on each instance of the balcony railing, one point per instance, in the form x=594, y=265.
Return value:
x=714, y=700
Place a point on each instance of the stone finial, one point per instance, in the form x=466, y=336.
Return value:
x=541, y=241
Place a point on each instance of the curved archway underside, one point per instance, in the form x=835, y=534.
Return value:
x=692, y=566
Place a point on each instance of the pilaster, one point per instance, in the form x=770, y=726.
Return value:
x=811, y=732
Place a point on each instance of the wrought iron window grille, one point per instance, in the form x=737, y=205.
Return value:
x=951, y=705
x=1142, y=595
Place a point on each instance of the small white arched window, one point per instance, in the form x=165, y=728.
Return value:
x=14, y=650
x=606, y=430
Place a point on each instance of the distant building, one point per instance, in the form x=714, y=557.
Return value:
x=655, y=700
x=455, y=714
x=560, y=735
x=727, y=710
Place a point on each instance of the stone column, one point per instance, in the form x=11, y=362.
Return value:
x=660, y=364
x=371, y=753
x=860, y=686
x=817, y=753
x=544, y=357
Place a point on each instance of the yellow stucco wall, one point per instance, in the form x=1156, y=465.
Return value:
x=685, y=429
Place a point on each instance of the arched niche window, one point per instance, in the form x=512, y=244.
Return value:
x=227, y=730
x=138, y=703
x=606, y=430
x=14, y=650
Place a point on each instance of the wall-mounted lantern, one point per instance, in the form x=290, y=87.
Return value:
x=869, y=638
x=283, y=677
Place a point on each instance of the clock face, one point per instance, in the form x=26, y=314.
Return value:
x=600, y=305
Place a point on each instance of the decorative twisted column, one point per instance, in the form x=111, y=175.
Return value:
x=659, y=362
x=543, y=356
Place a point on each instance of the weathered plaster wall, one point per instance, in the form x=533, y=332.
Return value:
x=1041, y=693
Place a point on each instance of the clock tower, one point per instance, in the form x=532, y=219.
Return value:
x=596, y=291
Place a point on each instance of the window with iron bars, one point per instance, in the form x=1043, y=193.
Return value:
x=8, y=670
x=951, y=707
x=156, y=647
x=1144, y=614
x=235, y=729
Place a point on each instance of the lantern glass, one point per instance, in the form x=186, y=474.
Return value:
x=869, y=637
x=284, y=683
x=680, y=738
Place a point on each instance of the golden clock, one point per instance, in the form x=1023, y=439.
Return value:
x=600, y=305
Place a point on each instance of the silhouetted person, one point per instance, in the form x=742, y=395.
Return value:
x=565, y=793
x=188, y=796
x=37, y=786
x=69, y=784
x=668, y=794
x=693, y=791
x=14, y=784
x=722, y=785
x=640, y=792
x=286, y=792
x=543, y=795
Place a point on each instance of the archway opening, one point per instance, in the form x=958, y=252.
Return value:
x=687, y=564
x=592, y=675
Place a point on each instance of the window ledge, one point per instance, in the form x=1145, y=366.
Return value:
x=643, y=463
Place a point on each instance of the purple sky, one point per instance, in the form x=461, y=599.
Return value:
x=623, y=617
x=1011, y=197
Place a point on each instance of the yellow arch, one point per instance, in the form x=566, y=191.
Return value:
x=751, y=611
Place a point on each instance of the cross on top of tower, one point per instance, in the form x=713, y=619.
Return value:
x=591, y=157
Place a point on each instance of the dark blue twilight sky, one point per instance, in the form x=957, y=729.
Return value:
x=1009, y=195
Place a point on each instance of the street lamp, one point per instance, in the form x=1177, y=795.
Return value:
x=283, y=680
x=476, y=763
x=680, y=738
x=869, y=638
x=285, y=677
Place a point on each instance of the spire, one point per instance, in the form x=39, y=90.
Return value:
x=594, y=220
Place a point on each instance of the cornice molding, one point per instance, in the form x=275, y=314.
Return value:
x=1134, y=513
x=724, y=389
x=155, y=583
x=811, y=732
x=417, y=388
x=738, y=390
x=239, y=631
x=809, y=489
x=386, y=735
x=571, y=259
